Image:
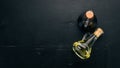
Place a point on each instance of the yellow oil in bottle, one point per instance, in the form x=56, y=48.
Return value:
x=83, y=53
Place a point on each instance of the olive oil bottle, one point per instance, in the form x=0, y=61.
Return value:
x=83, y=47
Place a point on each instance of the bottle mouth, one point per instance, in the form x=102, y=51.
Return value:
x=98, y=32
x=89, y=14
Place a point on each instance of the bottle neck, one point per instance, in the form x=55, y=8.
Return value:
x=86, y=23
x=91, y=39
x=95, y=36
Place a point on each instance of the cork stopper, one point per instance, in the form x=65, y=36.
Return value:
x=98, y=32
x=89, y=14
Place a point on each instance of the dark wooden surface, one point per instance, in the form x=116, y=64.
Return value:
x=40, y=33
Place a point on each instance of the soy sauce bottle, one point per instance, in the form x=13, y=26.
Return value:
x=87, y=22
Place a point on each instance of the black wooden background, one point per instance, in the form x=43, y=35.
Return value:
x=40, y=33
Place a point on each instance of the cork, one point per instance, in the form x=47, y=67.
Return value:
x=98, y=32
x=89, y=14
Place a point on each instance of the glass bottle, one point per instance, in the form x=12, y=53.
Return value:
x=87, y=22
x=83, y=47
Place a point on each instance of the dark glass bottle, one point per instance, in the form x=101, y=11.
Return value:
x=87, y=22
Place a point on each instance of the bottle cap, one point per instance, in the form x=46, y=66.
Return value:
x=98, y=32
x=89, y=14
